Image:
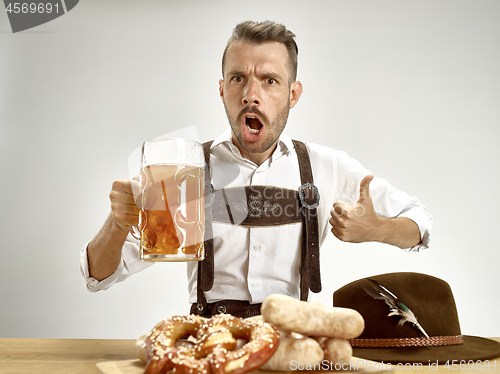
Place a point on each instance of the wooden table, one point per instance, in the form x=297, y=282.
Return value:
x=58, y=356
x=80, y=356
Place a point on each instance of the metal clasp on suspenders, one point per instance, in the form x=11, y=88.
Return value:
x=303, y=199
x=212, y=194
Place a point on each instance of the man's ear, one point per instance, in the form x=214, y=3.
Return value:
x=295, y=92
x=221, y=89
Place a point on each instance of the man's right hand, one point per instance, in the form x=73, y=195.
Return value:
x=104, y=251
x=124, y=210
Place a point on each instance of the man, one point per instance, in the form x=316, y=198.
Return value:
x=277, y=254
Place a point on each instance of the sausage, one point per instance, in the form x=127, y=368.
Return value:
x=337, y=351
x=312, y=319
x=294, y=350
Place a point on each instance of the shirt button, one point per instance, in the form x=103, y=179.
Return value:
x=255, y=284
x=256, y=247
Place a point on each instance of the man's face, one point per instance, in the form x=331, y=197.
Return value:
x=257, y=95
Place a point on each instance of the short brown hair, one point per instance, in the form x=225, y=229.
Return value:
x=267, y=31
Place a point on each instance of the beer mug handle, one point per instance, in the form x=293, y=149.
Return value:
x=134, y=231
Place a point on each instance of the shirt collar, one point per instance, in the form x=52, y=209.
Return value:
x=285, y=144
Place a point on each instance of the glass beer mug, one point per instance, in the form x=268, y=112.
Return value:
x=172, y=216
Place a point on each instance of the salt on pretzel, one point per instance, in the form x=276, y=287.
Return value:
x=214, y=345
x=312, y=319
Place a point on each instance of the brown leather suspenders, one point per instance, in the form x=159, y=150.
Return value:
x=227, y=206
x=310, y=277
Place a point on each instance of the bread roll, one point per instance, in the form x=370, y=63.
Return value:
x=294, y=351
x=312, y=319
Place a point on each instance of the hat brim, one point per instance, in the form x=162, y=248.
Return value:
x=473, y=349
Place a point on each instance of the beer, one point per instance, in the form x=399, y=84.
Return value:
x=172, y=218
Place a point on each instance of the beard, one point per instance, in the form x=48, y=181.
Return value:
x=273, y=128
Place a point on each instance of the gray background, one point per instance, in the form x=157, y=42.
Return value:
x=409, y=88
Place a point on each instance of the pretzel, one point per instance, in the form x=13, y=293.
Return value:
x=213, y=348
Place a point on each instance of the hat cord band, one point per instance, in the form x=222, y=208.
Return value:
x=433, y=341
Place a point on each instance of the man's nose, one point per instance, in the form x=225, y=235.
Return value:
x=251, y=94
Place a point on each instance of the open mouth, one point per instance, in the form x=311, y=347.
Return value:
x=253, y=124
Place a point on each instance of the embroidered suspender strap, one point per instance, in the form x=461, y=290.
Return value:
x=256, y=206
x=310, y=277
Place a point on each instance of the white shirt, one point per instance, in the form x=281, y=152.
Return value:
x=254, y=262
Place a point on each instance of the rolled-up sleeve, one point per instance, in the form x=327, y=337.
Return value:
x=129, y=264
x=391, y=202
x=388, y=201
x=421, y=216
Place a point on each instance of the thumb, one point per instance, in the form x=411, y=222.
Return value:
x=364, y=188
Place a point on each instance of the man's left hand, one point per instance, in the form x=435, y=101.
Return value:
x=355, y=223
